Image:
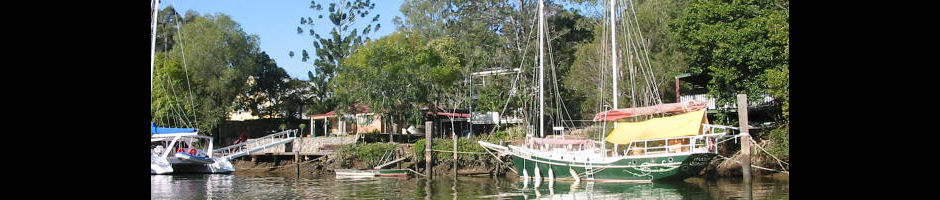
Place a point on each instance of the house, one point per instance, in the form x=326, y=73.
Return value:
x=698, y=92
x=760, y=113
x=331, y=123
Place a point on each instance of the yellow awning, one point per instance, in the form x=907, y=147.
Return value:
x=686, y=124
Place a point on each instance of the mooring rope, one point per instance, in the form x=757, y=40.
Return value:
x=779, y=162
x=752, y=165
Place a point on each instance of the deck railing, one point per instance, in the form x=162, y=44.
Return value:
x=259, y=142
x=705, y=143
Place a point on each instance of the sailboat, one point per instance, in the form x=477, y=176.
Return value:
x=186, y=157
x=674, y=142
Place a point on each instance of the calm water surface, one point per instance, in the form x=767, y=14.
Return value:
x=238, y=186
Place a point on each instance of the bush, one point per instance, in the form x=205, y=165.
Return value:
x=369, y=154
x=418, y=148
x=781, y=141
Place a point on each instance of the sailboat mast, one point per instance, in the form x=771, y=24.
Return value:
x=153, y=41
x=613, y=58
x=541, y=72
x=613, y=51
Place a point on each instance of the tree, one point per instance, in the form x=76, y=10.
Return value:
x=590, y=73
x=266, y=89
x=341, y=41
x=497, y=34
x=398, y=75
x=197, y=79
x=743, y=45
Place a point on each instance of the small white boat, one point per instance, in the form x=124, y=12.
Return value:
x=194, y=159
x=342, y=173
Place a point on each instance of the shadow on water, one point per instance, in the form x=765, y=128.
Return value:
x=216, y=186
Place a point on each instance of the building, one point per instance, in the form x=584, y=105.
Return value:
x=363, y=121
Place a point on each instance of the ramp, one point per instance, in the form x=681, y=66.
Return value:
x=251, y=146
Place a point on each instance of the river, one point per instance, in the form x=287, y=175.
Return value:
x=270, y=186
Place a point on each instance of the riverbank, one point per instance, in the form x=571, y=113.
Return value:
x=472, y=161
x=325, y=166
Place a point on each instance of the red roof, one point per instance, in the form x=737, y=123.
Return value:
x=464, y=115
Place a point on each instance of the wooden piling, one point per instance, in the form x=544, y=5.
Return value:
x=454, y=135
x=300, y=142
x=745, y=143
x=428, y=128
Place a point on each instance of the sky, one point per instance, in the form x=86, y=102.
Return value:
x=275, y=23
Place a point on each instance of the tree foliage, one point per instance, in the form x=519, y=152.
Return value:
x=398, y=75
x=744, y=46
x=496, y=34
x=206, y=66
x=591, y=70
x=330, y=49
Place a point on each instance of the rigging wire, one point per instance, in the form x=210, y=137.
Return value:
x=174, y=107
x=185, y=68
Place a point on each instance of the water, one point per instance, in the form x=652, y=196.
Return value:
x=239, y=186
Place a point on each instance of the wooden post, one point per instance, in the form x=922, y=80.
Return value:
x=453, y=133
x=678, y=96
x=745, y=143
x=299, y=141
x=428, y=128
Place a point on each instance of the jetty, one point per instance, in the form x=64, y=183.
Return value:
x=285, y=143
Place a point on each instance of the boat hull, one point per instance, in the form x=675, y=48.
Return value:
x=178, y=165
x=372, y=173
x=670, y=167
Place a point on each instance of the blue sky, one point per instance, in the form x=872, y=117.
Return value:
x=275, y=22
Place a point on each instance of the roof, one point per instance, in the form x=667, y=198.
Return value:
x=447, y=114
x=359, y=109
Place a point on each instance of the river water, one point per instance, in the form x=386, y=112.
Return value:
x=255, y=186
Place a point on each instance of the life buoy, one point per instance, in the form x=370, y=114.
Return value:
x=179, y=149
x=192, y=151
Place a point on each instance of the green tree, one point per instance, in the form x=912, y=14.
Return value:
x=501, y=34
x=397, y=75
x=332, y=48
x=267, y=89
x=590, y=70
x=743, y=45
x=197, y=79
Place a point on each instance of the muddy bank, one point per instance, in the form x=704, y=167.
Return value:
x=286, y=168
x=730, y=167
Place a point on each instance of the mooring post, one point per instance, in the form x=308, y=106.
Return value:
x=428, y=128
x=454, y=134
x=745, y=143
x=300, y=142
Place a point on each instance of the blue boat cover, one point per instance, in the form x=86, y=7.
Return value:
x=154, y=129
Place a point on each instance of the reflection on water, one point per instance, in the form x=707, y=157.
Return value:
x=219, y=186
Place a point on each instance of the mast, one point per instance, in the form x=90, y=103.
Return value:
x=613, y=59
x=613, y=52
x=541, y=72
x=153, y=42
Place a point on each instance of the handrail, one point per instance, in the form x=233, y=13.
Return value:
x=270, y=138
